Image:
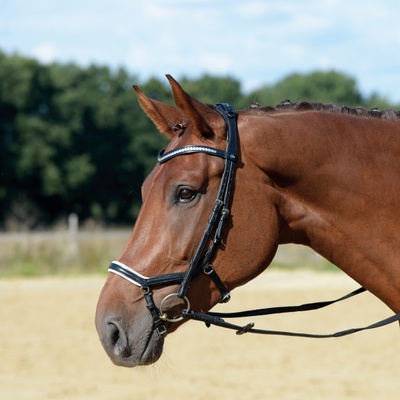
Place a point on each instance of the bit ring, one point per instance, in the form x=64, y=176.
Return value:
x=164, y=316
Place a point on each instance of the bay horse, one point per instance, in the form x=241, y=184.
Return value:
x=229, y=189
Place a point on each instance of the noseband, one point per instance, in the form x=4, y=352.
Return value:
x=201, y=260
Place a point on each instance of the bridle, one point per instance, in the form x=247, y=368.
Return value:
x=201, y=260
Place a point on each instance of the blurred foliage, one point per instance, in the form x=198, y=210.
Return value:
x=74, y=139
x=326, y=87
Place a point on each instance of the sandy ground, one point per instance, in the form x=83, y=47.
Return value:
x=49, y=348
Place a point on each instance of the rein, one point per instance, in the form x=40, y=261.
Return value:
x=216, y=319
x=201, y=260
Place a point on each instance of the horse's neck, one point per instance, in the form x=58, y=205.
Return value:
x=339, y=185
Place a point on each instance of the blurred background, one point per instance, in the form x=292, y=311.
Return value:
x=74, y=144
x=75, y=148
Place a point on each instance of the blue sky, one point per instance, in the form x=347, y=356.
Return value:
x=257, y=42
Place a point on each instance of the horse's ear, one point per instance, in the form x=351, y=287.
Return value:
x=163, y=115
x=199, y=113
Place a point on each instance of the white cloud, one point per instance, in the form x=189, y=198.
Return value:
x=256, y=41
x=253, y=8
x=219, y=63
x=45, y=52
x=158, y=11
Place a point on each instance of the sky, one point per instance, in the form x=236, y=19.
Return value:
x=257, y=42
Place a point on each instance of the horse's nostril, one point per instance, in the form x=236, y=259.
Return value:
x=118, y=340
x=113, y=333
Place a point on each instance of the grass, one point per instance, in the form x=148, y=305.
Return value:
x=57, y=253
x=292, y=257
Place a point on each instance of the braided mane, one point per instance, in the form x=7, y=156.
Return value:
x=287, y=105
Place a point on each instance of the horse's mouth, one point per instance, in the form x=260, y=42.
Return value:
x=153, y=348
x=143, y=351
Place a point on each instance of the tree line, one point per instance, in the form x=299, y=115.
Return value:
x=74, y=139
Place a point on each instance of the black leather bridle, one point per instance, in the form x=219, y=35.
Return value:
x=201, y=260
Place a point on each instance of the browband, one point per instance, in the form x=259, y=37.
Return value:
x=164, y=157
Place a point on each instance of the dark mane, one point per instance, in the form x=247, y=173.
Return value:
x=287, y=105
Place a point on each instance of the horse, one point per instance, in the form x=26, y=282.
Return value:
x=229, y=189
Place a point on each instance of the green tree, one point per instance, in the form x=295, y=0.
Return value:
x=24, y=89
x=75, y=139
x=213, y=90
x=66, y=135
x=326, y=87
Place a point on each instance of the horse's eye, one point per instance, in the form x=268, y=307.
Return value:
x=186, y=195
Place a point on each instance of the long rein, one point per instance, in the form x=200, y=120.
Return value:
x=201, y=261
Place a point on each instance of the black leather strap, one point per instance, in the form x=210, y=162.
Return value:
x=225, y=296
x=221, y=206
x=249, y=328
x=285, y=309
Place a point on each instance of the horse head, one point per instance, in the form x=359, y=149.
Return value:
x=179, y=196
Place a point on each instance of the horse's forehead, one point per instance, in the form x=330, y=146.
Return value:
x=185, y=164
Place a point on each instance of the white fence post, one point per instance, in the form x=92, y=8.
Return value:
x=73, y=227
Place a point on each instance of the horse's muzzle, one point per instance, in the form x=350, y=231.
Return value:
x=131, y=346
